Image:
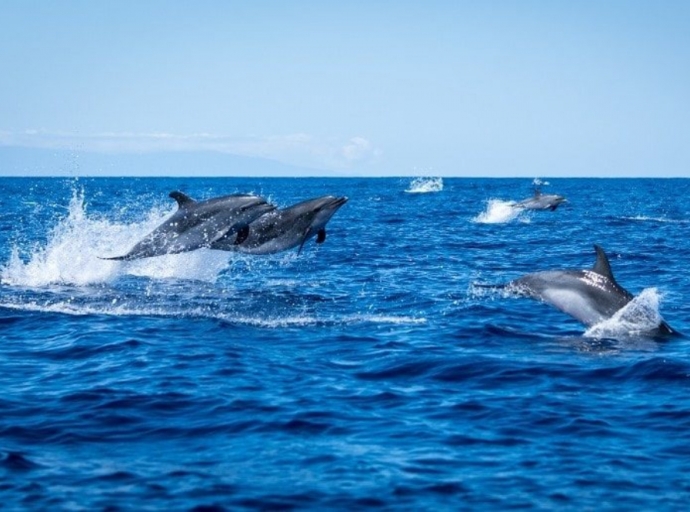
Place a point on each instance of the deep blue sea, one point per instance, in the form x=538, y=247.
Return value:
x=369, y=372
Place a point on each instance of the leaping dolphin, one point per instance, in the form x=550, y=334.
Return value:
x=199, y=224
x=590, y=296
x=541, y=202
x=281, y=230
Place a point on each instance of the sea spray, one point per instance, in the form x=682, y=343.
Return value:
x=425, y=185
x=640, y=315
x=70, y=252
x=500, y=212
x=71, y=255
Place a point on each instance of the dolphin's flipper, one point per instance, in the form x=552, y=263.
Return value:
x=553, y=208
x=321, y=236
x=602, y=265
x=242, y=234
x=304, y=239
x=181, y=198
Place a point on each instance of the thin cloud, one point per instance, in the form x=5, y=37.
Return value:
x=295, y=149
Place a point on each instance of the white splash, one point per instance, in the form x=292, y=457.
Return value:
x=71, y=255
x=643, y=218
x=640, y=315
x=500, y=212
x=425, y=185
x=200, y=265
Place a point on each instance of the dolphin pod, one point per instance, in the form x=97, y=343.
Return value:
x=248, y=224
x=236, y=223
x=590, y=295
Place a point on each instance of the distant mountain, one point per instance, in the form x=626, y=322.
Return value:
x=19, y=161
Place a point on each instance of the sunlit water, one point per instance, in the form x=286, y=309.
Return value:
x=369, y=371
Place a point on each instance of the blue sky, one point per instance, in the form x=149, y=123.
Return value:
x=480, y=88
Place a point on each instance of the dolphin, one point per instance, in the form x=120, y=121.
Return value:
x=590, y=296
x=281, y=230
x=541, y=202
x=198, y=224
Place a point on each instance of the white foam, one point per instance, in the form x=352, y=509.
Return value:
x=425, y=185
x=73, y=248
x=68, y=307
x=500, y=212
x=200, y=265
x=643, y=218
x=640, y=315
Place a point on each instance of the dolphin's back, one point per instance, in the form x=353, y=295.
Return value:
x=587, y=296
x=590, y=296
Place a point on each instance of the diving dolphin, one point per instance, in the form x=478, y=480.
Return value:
x=281, y=230
x=541, y=202
x=200, y=224
x=590, y=296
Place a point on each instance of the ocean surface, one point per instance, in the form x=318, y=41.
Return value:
x=369, y=372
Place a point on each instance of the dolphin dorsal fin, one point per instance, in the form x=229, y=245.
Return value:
x=181, y=198
x=602, y=265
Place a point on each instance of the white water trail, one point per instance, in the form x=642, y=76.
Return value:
x=425, y=185
x=71, y=255
x=644, y=218
x=640, y=315
x=500, y=212
x=66, y=307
